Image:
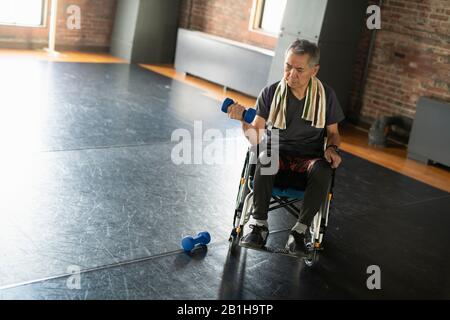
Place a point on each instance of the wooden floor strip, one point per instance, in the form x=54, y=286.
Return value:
x=65, y=56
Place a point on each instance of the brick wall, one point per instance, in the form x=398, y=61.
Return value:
x=225, y=18
x=410, y=55
x=411, y=58
x=97, y=20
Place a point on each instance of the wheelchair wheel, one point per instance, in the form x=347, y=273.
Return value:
x=234, y=241
x=312, y=258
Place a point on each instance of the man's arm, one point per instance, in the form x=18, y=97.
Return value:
x=333, y=139
x=253, y=132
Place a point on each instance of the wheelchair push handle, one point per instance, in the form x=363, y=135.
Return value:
x=248, y=115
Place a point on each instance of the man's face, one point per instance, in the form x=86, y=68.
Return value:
x=297, y=71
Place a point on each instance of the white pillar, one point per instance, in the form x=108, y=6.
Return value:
x=52, y=28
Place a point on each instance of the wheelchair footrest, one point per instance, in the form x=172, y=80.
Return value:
x=282, y=251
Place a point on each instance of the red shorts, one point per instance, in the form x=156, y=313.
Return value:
x=296, y=164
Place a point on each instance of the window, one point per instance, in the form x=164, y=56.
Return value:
x=22, y=12
x=269, y=15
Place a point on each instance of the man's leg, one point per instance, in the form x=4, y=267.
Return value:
x=318, y=181
x=317, y=185
x=262, y=193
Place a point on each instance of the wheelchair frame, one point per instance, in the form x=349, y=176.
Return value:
x=244, y=202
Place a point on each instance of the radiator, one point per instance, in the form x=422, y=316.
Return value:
x=430, y=134
x=231, y=64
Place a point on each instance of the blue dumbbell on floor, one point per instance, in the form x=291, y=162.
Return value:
x=249, y=114
x=188, y=243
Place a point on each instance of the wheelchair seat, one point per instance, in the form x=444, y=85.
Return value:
x=288, y=193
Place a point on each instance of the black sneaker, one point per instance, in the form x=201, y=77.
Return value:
x=256, y=238
x=296, y=244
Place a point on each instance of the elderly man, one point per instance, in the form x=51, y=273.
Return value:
x=305, y=111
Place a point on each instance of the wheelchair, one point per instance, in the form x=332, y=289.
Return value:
x=282, y=197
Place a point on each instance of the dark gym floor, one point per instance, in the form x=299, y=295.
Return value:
x=88, y=181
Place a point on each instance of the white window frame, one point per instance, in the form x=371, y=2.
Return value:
x=257, y=17
x=43, y=23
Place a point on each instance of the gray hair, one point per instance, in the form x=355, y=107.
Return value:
x=301, y=47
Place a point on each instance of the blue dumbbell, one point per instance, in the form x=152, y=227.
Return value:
x=188, y=243
x=248, y=115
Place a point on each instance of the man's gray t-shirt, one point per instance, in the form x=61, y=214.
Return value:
x=300, y=138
